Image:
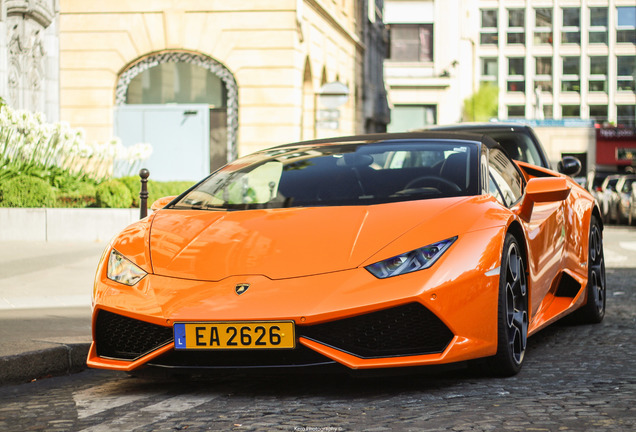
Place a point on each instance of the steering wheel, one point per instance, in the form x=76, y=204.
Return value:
x=434, y=181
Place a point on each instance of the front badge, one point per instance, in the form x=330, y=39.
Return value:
x=241, y=288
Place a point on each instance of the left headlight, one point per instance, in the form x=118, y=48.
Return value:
x=122, y=270
x=408, y=262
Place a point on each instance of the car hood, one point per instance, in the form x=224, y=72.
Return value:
x=281, y=243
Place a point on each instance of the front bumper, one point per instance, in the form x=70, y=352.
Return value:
x=441, y=315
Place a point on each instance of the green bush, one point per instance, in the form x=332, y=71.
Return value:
x=26, y=191
x=134, y=186
x=113, y=194
x=156, y=189
x=82, y=195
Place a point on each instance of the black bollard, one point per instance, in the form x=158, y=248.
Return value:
x=143, y=194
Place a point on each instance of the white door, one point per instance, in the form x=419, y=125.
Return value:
x=179, y=135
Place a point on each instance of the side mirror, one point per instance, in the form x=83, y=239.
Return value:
x=543, y=189
x=161, y=203
x=569, y=165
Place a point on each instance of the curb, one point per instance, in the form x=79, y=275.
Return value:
x=62, y=224
x=29, y=366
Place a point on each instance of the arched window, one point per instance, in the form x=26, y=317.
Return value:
x=183, y=78
x=177, y=83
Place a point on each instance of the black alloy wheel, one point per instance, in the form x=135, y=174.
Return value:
x=593, y=311
x=512, y=320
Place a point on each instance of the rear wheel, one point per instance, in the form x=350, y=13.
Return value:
x=512, y=314
x=594, y=309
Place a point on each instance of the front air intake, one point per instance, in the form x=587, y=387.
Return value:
x=122, y=338
x=409, y=329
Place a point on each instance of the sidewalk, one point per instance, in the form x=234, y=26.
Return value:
x=45, y=290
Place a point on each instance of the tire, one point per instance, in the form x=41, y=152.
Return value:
x=593, y=311
x=512, y=312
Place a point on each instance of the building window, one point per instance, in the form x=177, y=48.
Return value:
x=598, y=25
x=488, y=34
x=625, y=68
x=571, y=111
x=571, y=33
x=516, y=111
x=409, y=117
x=598, y=113
x=543, y=26
x=626, y=30
x=516, y=75
x=625, y=115
x=543, y=74
x=570, y=81
x=544, y=66
x=548, y=111
x=489, y=69
x=412, y=42
x=516, y=26
x=544, y=85
x=598, y=74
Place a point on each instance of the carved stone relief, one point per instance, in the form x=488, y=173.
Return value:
x=26, y=24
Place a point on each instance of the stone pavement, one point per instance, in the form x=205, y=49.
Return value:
x=45, y=290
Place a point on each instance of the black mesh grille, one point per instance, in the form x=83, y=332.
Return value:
x=124, y=338
x=300, y=356
x=404, y=330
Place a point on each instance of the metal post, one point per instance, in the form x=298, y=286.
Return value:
x=143, y=194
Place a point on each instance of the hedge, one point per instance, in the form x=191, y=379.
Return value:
x=26, y=191
x=113, y=194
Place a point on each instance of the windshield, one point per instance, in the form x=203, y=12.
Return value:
x=340, y=174
x=518, y=145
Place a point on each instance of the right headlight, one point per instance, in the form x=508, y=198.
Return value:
x=122, y=270
x=408, y=262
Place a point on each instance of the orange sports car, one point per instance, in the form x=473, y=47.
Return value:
x=374, y=251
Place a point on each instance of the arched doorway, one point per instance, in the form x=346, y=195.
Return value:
x=186, y=106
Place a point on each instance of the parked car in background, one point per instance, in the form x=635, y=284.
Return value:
x=631, y=215
x=619, y=204
x=595, y=181
x=519, y=141
x=605, y=196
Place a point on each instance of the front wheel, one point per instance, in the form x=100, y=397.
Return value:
x=512, y=312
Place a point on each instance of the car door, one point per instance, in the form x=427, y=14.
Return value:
x=545, y=228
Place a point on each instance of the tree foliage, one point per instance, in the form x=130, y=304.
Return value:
x=482, y=105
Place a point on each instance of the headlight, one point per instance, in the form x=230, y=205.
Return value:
x=122, y=270
x=408, y=262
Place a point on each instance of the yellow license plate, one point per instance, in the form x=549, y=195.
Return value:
x=235, y=335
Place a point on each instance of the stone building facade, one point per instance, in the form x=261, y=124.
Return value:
x=258, y=64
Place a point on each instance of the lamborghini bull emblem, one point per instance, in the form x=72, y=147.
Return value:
x=241, y=288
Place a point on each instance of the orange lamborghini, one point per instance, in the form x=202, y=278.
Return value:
x=367, y=252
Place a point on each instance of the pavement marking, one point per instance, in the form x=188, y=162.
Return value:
x=95, y=400
x=628, y=245
x=616, y=259
x=151, y=414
